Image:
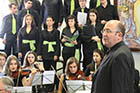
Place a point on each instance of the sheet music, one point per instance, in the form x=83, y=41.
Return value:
x=78, y=85
x=25, y=89
x=74, y=37
x=82, y=18
x=48, y=78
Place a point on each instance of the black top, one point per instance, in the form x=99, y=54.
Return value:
x=93, y=3
x=52, y=8
x=7, y=28
x=79, y=9
x=90, y=67
x=19, y=81
x=53, y=36
x=67, y=32
x=23, y=12
x=88, y=32
x=108, y=13
x=67, y=7
x=22, y=35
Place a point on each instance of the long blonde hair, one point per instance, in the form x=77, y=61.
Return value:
x=24, y=20
x=7, y=65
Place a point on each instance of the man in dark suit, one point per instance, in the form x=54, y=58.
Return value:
x=9, y=28
x=35, y=5
x=116, y=72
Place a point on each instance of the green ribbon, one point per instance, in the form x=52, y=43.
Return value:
x=82, y=10
x=69, y=44
x=98, y=3
x=50, y=45
x=72, y=7
x=31, y=42
x=13, y=25
x=100, y=47
x=28, y=12
x=77, y=54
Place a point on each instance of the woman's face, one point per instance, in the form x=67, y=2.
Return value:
x=71, y=22
x=73, y=68
x=28, y=20
x=2, y=60
x=92, y=17
x=13, y=65
x=97, y=58
x=31, y=59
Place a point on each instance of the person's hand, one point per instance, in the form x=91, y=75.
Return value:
x=59, y=24
x=63, y=40
x=39, y=66
x=103, y=22
x=3, y=41
x=74, y=42
x=80, y=25
x=90, y=77
x=96, y=38
x=39, y=57
x=55, y=58
x=20, y=55
x=34, y=70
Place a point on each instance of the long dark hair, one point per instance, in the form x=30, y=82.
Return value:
x=72, y=17
x=97, y=15
x=46, y=21
x=26, y=62
x=8, y=62
x=101, y=53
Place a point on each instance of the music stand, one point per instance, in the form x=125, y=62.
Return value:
x=48, y=78
x=78, y=85
x=42, y=79
x=25, y=89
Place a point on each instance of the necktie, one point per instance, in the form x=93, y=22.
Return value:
x=82, y=10
x=98, y=3
x=28, y=12
x=13, y=25
x=72, y=7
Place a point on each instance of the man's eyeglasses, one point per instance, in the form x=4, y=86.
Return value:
x=108, y=31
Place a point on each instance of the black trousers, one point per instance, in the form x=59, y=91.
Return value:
x=66, y=56
x=11, y=46
x=88, y=57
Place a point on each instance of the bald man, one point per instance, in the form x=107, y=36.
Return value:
x=116, y=72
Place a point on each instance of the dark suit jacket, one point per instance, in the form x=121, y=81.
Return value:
x=67, y=7
x=22, y=13
x=116, y=72
x=35, y=5
x=7, y=28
